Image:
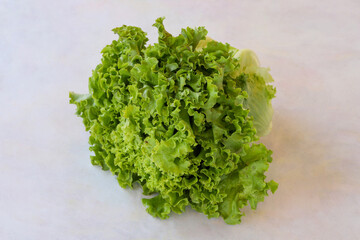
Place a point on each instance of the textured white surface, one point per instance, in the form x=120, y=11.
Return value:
x=49, y=189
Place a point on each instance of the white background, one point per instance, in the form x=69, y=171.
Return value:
x=49, y=189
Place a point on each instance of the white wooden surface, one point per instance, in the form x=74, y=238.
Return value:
x=49, y=189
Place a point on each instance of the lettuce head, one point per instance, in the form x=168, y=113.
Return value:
x=181, y=117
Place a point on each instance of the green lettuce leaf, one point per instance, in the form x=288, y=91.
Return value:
x=180, y=118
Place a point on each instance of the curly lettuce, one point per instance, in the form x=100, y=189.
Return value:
x=181, y=118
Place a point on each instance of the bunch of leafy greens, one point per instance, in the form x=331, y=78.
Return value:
x=180, y=118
